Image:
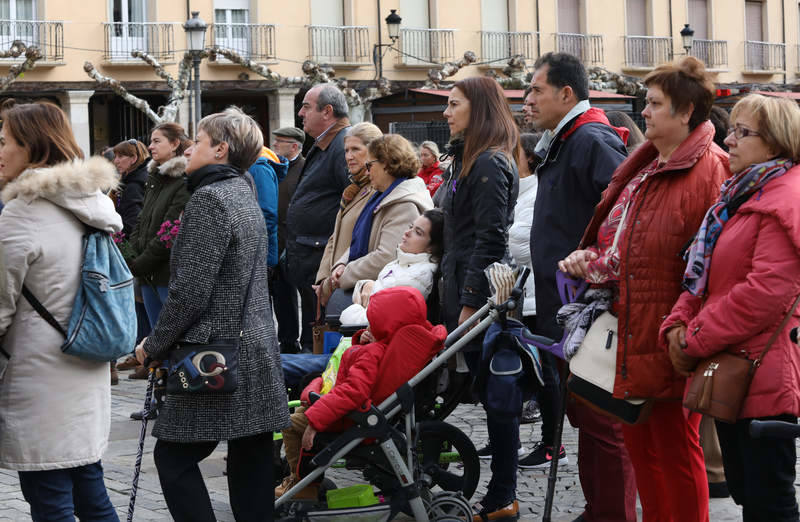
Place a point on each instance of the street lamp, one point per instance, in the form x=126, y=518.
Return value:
x=393, y=28
x=687, y=37
x=195, y=29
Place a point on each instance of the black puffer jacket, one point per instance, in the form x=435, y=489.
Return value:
x=478, y=211
x=131, y=198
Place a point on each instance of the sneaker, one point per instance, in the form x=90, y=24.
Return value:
x=485, y=511
x=542, y=456
x=530, y=413
x=486, y=451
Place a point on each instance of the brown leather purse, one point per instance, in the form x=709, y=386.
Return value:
x=720, y=383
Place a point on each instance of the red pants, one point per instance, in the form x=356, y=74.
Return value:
x=670, y=470
x=604, y=467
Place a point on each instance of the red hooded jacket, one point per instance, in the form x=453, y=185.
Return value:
x=404, y=342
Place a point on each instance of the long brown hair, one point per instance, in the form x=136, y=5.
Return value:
x=43, y=129
x=491, y=125
x=133, y=149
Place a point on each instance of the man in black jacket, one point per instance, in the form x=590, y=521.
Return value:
x=313, y=207
x=288, y=142
x=579, y=152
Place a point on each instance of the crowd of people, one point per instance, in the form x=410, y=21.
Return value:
x=690, y=228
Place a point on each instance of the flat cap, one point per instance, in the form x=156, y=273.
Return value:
x=291, y=132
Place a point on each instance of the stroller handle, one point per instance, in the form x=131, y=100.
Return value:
x=778, y=429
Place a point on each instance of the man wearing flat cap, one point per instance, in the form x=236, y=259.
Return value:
x=288, y=142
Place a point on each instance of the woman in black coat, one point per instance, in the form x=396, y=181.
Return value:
x=130, y=158
x=480, y=190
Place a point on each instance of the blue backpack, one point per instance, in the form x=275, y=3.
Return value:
x=102, y=326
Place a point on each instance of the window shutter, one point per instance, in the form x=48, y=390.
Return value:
x=494, y=15
x=327, y=12
x=754, y=24
x=569, y=20
x=415, y=14
x=637, y=17
x=698, y=18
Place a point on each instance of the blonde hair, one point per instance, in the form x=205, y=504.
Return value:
x=778, y=122
x=365, y=131
x=432, y=147
x=397, y=155
x=239, y=131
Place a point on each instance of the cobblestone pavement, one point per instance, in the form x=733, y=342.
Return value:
x=119, y=460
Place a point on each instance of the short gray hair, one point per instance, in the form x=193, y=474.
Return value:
x=330, y=95
x=431, y=146
x=239, y=131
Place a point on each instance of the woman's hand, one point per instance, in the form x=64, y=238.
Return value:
x=308, y=438
x=140, y=353
x=466, y=313
x=577, y=263
x=676, y=339
x=335, y=275
x=366, y=337
x=366, y=292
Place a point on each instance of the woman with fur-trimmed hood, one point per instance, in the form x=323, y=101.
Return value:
x=55, y=409
x=164, y=199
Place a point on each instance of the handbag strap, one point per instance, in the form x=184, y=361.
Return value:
x=42, y=311
x=775, y=334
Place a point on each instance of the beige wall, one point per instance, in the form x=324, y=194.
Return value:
x=83, y=30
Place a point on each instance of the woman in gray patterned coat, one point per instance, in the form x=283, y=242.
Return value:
x=218, y=254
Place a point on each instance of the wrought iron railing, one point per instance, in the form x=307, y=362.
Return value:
x=587, y=47
x=646, y=51
x=764, y=56
x=156, y=39
x=499, y=46
x=426, y=46
x=253, y=41
x=339, y=44
x=48, y=36
x=714, y=53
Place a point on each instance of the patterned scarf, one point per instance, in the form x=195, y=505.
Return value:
x=735, y=191
x=357, y=182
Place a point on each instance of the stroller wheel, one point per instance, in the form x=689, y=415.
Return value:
x=448, y=457
x=449, y=507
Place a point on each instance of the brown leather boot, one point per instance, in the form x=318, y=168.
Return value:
x=310, y=492
x=114, y=374
x=128, y=364
x=140, y=373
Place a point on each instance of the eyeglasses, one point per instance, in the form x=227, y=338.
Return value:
x=368, y=165
x=740, y=132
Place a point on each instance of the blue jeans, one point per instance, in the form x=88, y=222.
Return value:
x=297, y=365
x=153, y=301
x=63, y=494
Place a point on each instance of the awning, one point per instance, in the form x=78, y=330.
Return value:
x=517, y=93
x=780, y=94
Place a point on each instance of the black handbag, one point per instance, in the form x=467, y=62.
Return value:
x=208, y=368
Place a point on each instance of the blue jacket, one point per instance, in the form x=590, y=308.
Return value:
x=269, y=170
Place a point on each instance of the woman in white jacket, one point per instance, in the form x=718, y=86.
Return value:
x=55, y=409
x=417, y=260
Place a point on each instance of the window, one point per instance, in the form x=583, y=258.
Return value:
x=569, y=16
x=11, y=13
x=636, y=16
x=494, y=15
x=327, y=12
x=754, y=25
x=230, y=24
x=415, y=38
x=127, y=28
x=698, y=18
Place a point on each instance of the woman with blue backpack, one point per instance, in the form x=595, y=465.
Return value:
x=55, y=408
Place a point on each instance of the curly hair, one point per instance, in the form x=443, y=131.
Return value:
x=396, y=154
x=688, y=84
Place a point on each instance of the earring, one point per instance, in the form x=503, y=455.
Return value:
x=216, y=155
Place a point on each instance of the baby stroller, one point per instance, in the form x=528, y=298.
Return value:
x=407, y=459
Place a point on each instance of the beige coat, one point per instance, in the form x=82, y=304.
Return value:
x=55, y=409
x=339, y=242
x=390, y=219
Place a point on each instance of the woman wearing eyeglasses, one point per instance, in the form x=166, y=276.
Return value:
x=654, y=203
x=398, y=199
x=742, y=277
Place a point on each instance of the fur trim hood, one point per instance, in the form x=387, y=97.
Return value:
x=78, y=186
x=174, y=168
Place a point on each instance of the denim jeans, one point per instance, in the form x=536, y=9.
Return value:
x=63, y=494
x=154, y=299
x=297, y=365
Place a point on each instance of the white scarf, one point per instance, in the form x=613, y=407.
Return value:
x=549, y=135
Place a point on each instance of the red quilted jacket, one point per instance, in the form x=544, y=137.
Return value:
x=665, y=215
x=753, y=280
x=395, y=314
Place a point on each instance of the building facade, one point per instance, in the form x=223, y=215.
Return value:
x=742, y=41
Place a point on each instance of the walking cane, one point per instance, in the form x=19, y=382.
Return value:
x=138, y=466
x=552, y=476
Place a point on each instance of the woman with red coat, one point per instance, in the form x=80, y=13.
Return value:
x=430, y=172
x=743, y=275
x=658, y=195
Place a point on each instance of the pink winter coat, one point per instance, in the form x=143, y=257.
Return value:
x=753, y=280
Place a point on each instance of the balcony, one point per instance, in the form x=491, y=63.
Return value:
x=252, y=41
x=764, y=57
x=339, y=45
x=156, y=39
x=587, y=47
x=501, y=46
x=47, y=36
x=646, y=52
x=426, y=47
x=714, y=53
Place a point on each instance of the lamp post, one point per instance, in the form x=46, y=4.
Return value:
x=393, y=28
x=195, y=29
x=687, y=38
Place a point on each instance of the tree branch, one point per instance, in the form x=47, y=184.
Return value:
x=32, y=55
x=121, y=91
x=439, y=74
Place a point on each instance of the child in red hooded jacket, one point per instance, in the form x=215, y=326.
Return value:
x=356, y=385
